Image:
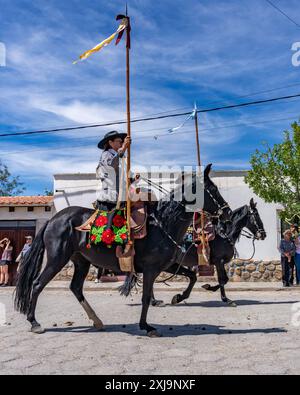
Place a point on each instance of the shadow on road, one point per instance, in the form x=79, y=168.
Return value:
x=219, y=303
x=169, y=331
x=238, y=302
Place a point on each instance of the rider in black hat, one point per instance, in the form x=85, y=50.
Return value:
x=114, y=146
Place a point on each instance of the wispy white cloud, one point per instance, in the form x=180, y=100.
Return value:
x=181, y=51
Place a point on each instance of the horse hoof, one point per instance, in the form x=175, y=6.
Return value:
x=99, y=326
x=175, y=300
x=206, y=287
x=38, y=330
x=153, y=334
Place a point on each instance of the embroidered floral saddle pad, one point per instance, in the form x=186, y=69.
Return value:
x=109, y=228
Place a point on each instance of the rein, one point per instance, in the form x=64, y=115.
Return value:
x=216, y=214
x=249, y=235
x=236, y=255
x=182, y=249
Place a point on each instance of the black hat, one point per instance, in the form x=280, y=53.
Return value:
x=111, y=136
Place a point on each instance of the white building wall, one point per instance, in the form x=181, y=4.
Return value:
x=74, y=190
x=21, y=214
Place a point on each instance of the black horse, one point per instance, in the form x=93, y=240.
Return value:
x=222, y=250
x=154, y=254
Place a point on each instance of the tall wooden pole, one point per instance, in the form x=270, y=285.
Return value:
x=199, y=165
x=128, y=121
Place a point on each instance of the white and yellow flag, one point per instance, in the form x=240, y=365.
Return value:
x=104, y=43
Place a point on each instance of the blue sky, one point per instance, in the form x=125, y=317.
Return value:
x=211, y=51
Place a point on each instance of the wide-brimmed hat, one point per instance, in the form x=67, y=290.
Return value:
x=111, y=136
x=288, y=232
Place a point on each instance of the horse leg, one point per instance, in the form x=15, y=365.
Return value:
x=148, y=281
x=156, y=302
x=223, y=280
x=182, y=271
x=209, y=288
x=53, y=267
x=82, y=266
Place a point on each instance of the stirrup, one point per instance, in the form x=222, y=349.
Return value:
x=86, y=227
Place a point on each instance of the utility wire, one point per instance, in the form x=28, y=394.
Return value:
x=7, y=153
x=283, y=13
x=88, y=125
x=185, y=108
x=153, y=118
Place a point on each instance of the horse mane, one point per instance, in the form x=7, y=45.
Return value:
x=238, y=215
x=169, y=210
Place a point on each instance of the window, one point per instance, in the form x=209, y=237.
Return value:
x=11, y=209
x=48, y=209
x=30, y=209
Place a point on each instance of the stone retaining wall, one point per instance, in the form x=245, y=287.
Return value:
x=254, y=271
x=238, y=271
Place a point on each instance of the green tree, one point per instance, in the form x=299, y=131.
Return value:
x=9, y=185
x=275, y=173
x=48, y=192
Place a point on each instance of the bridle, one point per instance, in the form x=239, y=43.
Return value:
x=214, y=215
x=250, y=235
x=259, y=231
x=220, y=209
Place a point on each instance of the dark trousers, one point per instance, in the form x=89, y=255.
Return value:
x=106, y=206
x=287, y=270
x=297, y=262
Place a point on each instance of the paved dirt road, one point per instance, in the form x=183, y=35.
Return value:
x=203, y=337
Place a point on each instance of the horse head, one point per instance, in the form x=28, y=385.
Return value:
x=255, y=224
x=213, y=200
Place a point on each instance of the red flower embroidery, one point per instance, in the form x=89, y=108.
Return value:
x=101, y=221
x=124, y=236
x=93, y=238
x=108, y=237
x=119, y=221
x=89, y=246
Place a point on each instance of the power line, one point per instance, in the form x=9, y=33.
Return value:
x=246, y=123
x=91, y=125
x=283, y=13
x=153, y=118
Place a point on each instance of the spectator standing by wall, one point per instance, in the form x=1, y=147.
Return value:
x=6, y=260
x=25, y=248
x=287, y=249
x=297, y=259
x=295, y=233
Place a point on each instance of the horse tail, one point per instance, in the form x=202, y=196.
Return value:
x=30, y=268
x=131, y=281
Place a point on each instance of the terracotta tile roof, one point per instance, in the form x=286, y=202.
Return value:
x=26, y=200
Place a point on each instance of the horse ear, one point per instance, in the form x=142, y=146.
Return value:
x=207, y=171
x=252, y=204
